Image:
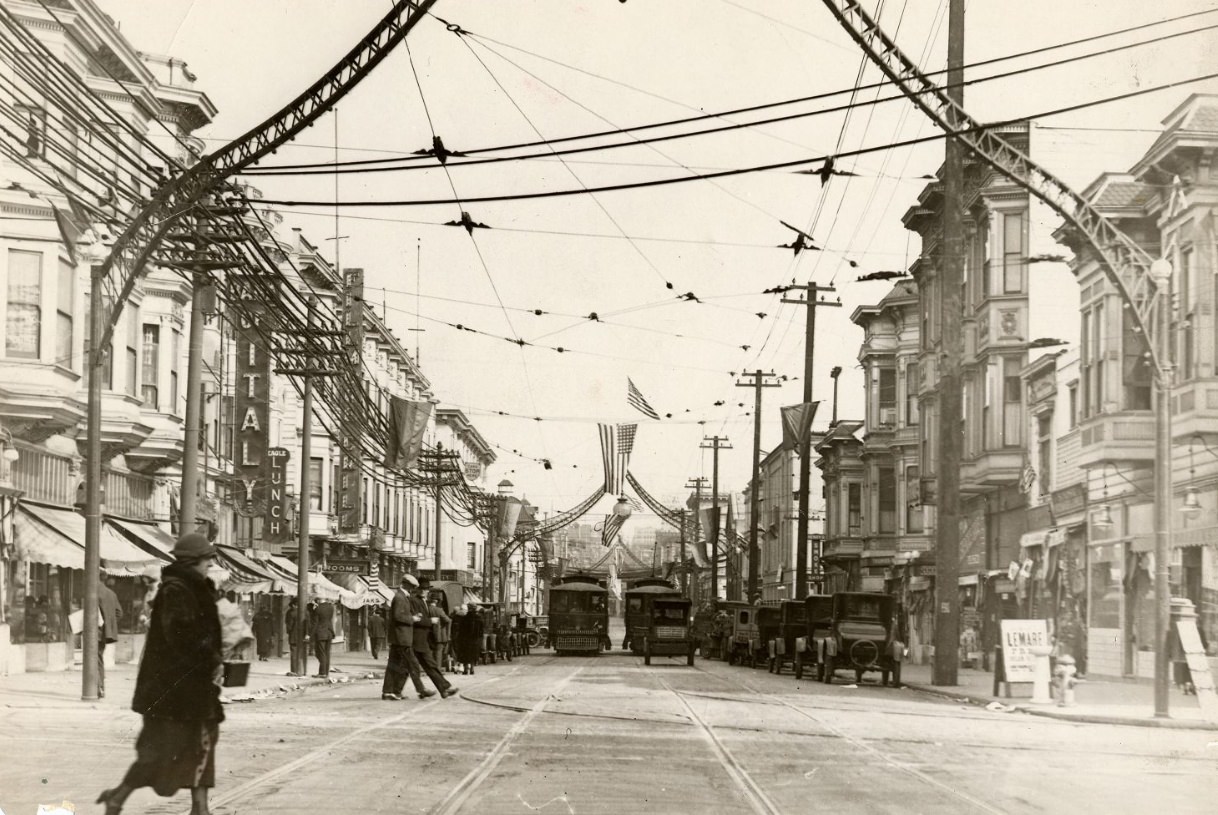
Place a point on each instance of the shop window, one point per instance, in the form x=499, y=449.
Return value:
x=1107, y=576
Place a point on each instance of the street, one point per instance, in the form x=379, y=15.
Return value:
x=608, y=735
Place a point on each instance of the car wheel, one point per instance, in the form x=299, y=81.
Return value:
x=827, y=671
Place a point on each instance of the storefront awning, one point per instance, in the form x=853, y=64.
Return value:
x=41, y=526
x=359, y=592
x=149, y=537
x=319, y=585
x=1029, y=540
x=248, y=576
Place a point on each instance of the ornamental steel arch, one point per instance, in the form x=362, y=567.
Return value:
x=1125, y=263
x=177, y=198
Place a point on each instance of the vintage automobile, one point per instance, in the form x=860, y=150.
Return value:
x=863, y=637
x=541, y=623
x=524, y=633
x=638, y=597
x=791, y=626
x=740, y=648
x=818, y=617
x=769, y=628
x=668, y=630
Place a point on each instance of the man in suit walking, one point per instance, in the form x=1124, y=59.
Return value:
x=107, y=632
x=400, y=630
x=424, y=644
x=323, y=635
x=376, y=630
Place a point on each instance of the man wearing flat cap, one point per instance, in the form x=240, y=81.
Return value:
x=423, y=648
x=402, y=662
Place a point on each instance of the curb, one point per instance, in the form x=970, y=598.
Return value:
x=1062, y=716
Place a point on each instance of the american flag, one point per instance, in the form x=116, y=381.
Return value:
x=635, y=399
x=617, y=443
x=612, y=526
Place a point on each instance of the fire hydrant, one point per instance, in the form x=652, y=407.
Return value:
x=1064, y=680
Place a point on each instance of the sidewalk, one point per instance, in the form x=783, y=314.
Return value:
x=1098, y=700
x=266, y=679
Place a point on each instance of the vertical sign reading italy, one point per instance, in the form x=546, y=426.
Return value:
x=252, y=402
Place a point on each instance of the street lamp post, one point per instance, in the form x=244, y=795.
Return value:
x=1160, y=273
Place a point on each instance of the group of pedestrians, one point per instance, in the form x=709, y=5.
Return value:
x=412, y=628
x=318, y=630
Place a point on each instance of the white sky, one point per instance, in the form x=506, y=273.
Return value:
x=552, y=68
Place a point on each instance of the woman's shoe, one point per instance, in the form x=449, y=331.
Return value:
x=112, y=807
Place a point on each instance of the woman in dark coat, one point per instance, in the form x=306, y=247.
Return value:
x=467, y=638
x=177, y=689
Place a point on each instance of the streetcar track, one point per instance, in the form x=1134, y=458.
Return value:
x=753, y=792
x=980, y=805
x=460, y=794
x=270, y=777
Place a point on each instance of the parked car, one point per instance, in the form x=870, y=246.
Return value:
x=818, y=620
x=863, y=637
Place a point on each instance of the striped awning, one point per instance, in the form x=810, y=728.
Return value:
x=148, y=537
x=248, y=576
x=57, y=536
x=320, y=586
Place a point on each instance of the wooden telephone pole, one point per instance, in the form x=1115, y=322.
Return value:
x=812, y=303
x=696, y=485
x=950, y=441
x=717, y=443
x=759, y=382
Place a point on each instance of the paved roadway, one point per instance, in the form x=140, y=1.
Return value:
x=608, y=735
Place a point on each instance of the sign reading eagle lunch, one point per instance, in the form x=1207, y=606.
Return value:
x=261, y=473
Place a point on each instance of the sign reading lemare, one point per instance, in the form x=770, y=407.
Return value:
x=1019, y=637
x=275, y=524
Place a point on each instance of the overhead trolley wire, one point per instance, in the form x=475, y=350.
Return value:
x=662, y=182
x=329, y=167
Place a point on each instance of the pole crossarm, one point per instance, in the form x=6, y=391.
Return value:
x=1125, y=263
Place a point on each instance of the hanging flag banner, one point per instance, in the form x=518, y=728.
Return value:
x=509, y=516
x=611, y=527
x=275, y=523
x=407, y=421
x=797, y=423
x=617, y=443
x=634, y=398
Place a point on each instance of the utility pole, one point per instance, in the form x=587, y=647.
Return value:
x=439, y=464
x=696, y=485
x=717, y=443
x=834, y=374
x=684, y=569
x=93, y=487
x=759, y=382
x=950, y=441
x=202, y=302
x=811, y=304
x=307, y=372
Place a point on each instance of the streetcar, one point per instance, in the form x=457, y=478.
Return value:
x=668, y=629
x=579, y=615
x=639, y=598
